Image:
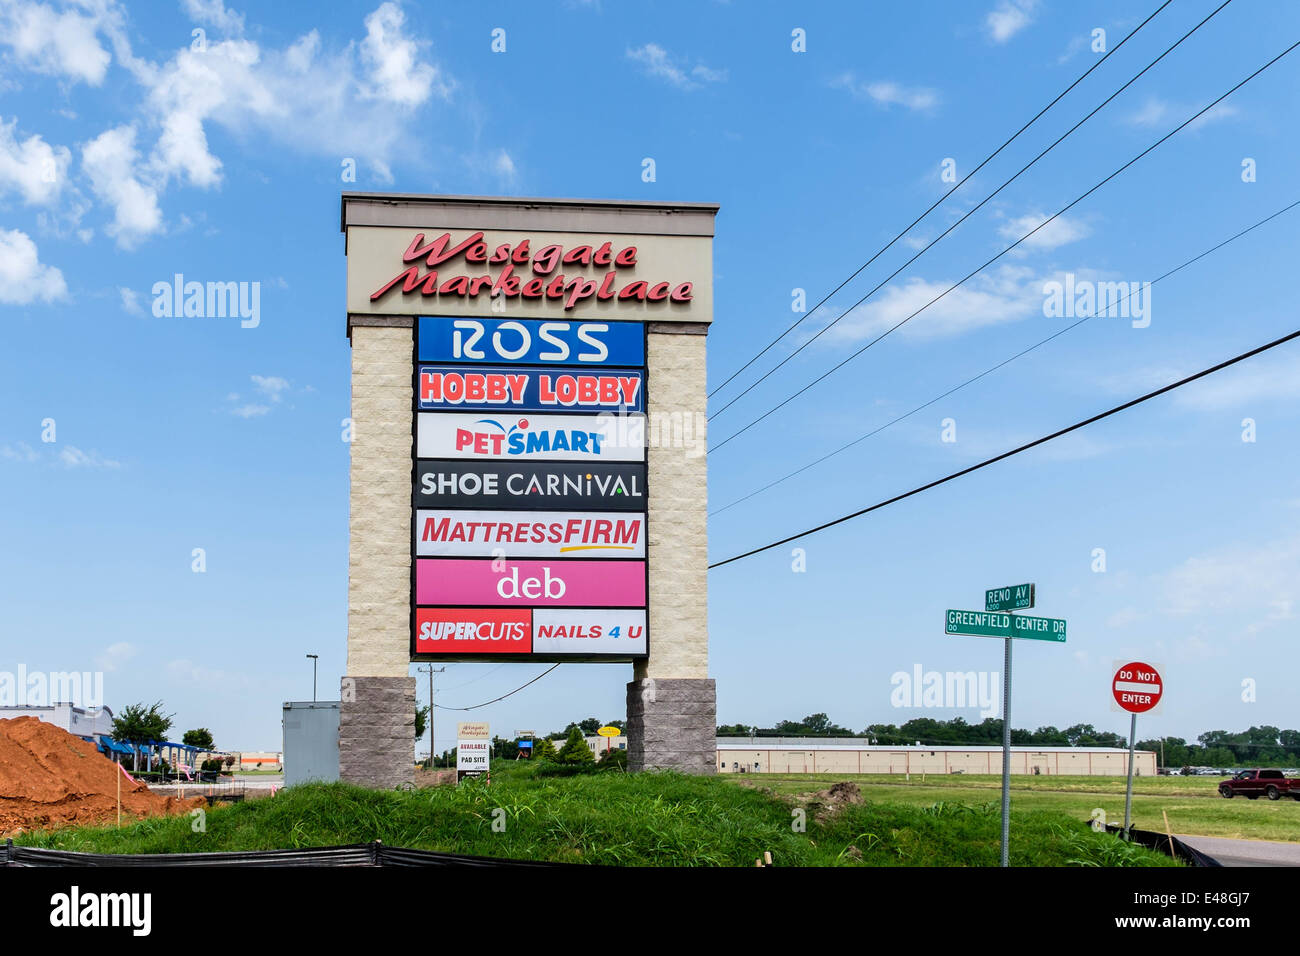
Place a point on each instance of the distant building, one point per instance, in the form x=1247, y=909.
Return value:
x=83, y=722
x=859, y=755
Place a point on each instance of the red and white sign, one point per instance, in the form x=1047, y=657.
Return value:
x=529, y=534
x=473, y=630
x=1137, y=687
x=604, y=632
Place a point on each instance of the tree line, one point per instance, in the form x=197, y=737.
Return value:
x=1263, y=746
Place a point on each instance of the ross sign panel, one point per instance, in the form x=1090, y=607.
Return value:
x=523, y=534
x=994, y=624
x=496, y=583
x=1015, y=598
x=535, y=487
x=1137, y=687
x=530, y=342
x=453, y=388
x=604, y=437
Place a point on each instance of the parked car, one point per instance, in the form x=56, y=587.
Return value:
x=1253, y=783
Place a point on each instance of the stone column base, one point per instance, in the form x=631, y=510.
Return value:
x=377, y=731
x=672, y=725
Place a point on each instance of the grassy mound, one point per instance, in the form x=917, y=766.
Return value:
x=662, y=819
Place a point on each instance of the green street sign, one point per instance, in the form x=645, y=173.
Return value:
x=995, y=624
x=1018, y=597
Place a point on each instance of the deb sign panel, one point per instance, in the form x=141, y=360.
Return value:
x=529, y=491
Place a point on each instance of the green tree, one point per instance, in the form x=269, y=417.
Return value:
x=544, y=749
x=589, y=726
x=200, y=737
x=141, y=726
x=421, y=721
x=575, y=749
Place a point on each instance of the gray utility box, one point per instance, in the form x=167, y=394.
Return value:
x=311, y=741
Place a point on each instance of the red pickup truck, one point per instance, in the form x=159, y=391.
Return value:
x=1252, y=783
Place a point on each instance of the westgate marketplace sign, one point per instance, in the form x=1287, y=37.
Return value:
x=531, y=334
x=555, y=568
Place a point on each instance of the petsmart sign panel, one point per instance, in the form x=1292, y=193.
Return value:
x=606, y=437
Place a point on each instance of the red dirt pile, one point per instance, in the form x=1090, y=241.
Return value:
x=49, y=779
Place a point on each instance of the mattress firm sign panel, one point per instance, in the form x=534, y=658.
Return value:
x=529, y=491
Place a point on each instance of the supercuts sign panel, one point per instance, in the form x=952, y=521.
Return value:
x=540, y=487
x=605, y=437
x=524, y=534
x=457, y=388
x=530, y=342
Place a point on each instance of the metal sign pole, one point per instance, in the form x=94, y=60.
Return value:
x=1006, y=750
x=1128, y=796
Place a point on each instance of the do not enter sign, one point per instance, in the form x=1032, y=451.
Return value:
x=1137, y=687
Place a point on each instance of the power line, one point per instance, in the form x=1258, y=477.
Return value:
x=995, y=258
x=941, y=199
x=1016, y=451
x=935, y=241
x=503, y=696
x=994, y=368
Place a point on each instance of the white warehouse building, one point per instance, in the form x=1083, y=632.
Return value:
x=859, y=755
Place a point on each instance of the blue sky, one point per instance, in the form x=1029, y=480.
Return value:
x=127, y=155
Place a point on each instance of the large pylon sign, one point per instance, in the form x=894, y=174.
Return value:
x=528, y=457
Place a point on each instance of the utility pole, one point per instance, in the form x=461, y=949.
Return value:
x=432, y=739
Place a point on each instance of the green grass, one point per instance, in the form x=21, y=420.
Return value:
x=1193, y=803
x=620, y=819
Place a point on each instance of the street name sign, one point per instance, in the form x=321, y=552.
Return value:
x=996, y=624
x=1018, y=597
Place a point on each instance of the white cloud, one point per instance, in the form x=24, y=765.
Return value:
x=270, y=385
x=251, y=410
x=110, y=161
x=130, y=301
x=21, y=452
x=74, y=457
x=886, y=93
x=56, y=44
x=1008, y=18
x=33, y=168
x=1266, y=379
x=1058, y=232
x=116, y=655
x=1006, y=294
x=23, y=279
x=213, y=13
x=659, y=63
x=394, y=62
x=504, y=166
x=1155, y=112
x=1260, y=582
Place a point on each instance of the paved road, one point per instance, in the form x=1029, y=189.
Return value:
x=1245, y=852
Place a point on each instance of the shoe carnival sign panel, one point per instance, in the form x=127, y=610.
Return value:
x=489, y=389
x=504, y=437
x=523, y=534
x=508, y=583
x=531, y=342
x=551, y=486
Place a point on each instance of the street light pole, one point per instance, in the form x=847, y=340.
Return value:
x=314, y=658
